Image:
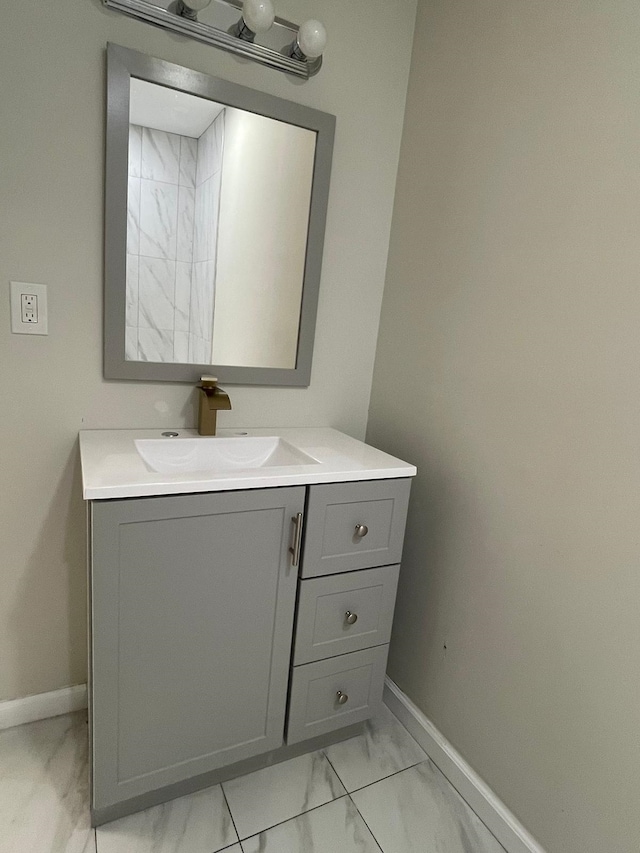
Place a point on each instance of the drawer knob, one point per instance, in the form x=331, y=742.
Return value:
x=342, y=697
x=350, y=618
x=361, y=530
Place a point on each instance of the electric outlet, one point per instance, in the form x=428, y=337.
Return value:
x=29, y=308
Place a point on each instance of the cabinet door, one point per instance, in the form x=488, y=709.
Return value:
x=193, y=601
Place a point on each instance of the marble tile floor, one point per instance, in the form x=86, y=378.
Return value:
x=375, y=793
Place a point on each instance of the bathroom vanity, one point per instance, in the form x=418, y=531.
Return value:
x=242, y=586
x=240, y=612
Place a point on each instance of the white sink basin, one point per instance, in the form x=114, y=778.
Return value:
x=181, y=455
x=124, y=463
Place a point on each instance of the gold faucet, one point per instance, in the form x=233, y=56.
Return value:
x=212, y=399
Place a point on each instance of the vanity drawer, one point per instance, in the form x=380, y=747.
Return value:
x=329, y=694
x=343, y=613
x=354, y=526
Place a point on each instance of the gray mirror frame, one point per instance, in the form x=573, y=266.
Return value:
x=122, y=64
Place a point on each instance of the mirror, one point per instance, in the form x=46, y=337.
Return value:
x=216, y=202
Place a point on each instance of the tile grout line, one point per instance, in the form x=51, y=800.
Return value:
x=280, y=822
x=295, y=817
x=227, y=847
x=346, y=795
x=235, y=828
x=366, y=824
x=382, y=778
x=390, y=776
x=328, y=760
x=463, y=801
x=352, y=802
x=429, y=759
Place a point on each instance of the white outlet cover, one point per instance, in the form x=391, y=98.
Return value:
x=18, y=288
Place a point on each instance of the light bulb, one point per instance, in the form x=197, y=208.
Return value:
x=258, y=15
x=196, y=5
x=312, y=39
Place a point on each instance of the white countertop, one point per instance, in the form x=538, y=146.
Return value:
x=112, y=468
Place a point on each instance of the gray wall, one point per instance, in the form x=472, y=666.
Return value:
x=52, y=57
x=508, y=370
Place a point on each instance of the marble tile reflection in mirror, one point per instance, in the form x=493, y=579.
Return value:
x=218, y=202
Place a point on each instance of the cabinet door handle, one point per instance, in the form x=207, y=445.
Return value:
x=350, y=618
x=361, y=530
x=294, y=550
x=341, y=697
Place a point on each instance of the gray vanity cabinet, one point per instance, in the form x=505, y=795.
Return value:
x=193, y=601
x=232, y=629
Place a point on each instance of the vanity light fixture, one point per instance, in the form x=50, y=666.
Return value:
x=284, y=45
x=310, y=41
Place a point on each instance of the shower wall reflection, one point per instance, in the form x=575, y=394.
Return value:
x=172, y=235
x=217, y=224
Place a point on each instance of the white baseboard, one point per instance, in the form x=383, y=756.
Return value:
x=15, y=712
x=489, y=808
